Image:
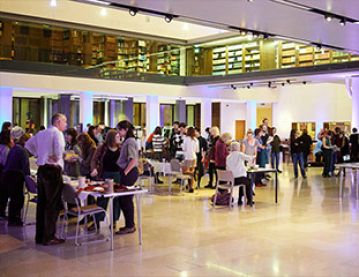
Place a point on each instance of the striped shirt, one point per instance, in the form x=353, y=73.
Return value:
x=158, y=142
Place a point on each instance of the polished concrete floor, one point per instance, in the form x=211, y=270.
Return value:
x=308, y=233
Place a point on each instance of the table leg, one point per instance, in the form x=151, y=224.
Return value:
x=139, y=217
x=341, y=183
x=276, y=187
x=111, y=222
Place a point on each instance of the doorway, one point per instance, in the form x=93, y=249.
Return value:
x=240, y=129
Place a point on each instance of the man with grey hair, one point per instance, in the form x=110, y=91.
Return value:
x=48, y=147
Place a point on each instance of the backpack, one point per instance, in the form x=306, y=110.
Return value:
x=223, y=198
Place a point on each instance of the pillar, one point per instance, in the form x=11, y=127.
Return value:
x=65, y=107
x=107, y=113
x=128, y=107
x=251, y=118
x=6, y=95
x=86, y=108
x=112, y=113
x=44, y=113
x=180, y=110
x=152, y=113
x=206, y=113
x=355, y=102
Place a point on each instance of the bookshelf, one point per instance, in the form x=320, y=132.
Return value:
x=168, y=60
x=132, y=55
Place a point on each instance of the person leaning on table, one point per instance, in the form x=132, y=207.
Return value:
x=128, y=162
x=235, y=163
x=49, y=147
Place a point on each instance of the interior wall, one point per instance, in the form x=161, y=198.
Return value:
x=230, y=112
x=306, y=103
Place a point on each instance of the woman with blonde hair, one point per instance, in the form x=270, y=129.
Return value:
x=221, y=151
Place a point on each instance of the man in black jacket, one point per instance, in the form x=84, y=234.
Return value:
x=354, y=145
x=307, y=143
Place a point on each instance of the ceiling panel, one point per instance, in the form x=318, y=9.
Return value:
x=266, y=16
x=348, y=8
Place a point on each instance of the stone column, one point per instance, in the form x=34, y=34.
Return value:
x=180, y=110
x=152, y=113
x=6, y=95
x=86, y=108
x=206, y=114
x=251, y=118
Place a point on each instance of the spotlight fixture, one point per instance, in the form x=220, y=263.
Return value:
x=243, y=33
x=248, y=87
x=343, y=22
x=250, y=0
x=233, y=87
x=304, y=82
x=133, y=11
x=288, y=81
x=269, y=84
x=251, y=84
x=283, y=84
x=255, y=35
x=168, y=18
x=328, y=18
x=265, y=36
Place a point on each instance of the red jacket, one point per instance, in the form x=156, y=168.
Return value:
x=220, y=153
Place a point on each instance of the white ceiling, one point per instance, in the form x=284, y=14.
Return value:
x=108, y=18
x=268, y=16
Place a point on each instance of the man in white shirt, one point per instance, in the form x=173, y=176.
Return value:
x=48, y=147
x=235, y=163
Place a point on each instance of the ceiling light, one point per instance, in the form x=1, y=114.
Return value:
x=328, y=18
x=288, y=81
x=251, y=84
x=185, y=27
x=265, y=36
x=233, y=87
x=250, y=0
x=99, y=2
x=269, y=84
x=243, y=33
x=53, y=3
x=103, y=12
x=283, y=84
x=248, y=87
x=168, y=18
x=304, y=82
x=343, y=22
x=133, y=11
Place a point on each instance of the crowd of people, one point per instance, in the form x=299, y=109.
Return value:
x=117, y=153
x=114, y=157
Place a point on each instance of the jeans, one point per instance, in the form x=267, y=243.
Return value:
x=297, y=158
x=275, y=157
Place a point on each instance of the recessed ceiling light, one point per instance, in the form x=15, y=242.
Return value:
x=168, y=18
x=185, y=27
x=53, y=3
x=103, y=12
x=243, y=33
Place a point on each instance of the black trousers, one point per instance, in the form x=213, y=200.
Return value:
x=212, y=171
x=126, y=202
x=12, y=187
x=49, y=185
x=249, y=192
x=199, y=171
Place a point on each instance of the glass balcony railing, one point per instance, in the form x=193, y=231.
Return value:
x=109, y=56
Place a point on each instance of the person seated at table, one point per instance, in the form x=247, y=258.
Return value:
x=88, y=149
x=147, y=169
x=235, y=163
x=127, y=162
x=103, y=166
x=16, y=168
x=190, y=148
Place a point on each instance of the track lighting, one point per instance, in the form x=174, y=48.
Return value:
x=342, y=22
x=283, y=84
x=248, y=87
x=168, y=18
x=251, y=84
x=233, y=87
x=265, y=36
x=288, y=81
x=328, y=18
x=133, y=11
x=304, y=82
x=269, y=84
